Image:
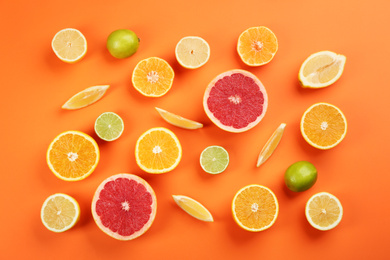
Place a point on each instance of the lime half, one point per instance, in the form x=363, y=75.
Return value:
x=109, y=126
x=214, y=159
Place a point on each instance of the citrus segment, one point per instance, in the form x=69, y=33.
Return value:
x=323, y=126
x=324, y=211
x=158, y=150
x=255, y=208
x=86, y=97
x=321, y=69
x=257, y=46
x=214, y=159
x=60, y=212
x=72, y=155
x=192, y=52
x=69, y=45
x=124, y=206
x=193, y=208
x=153, y=77
x=177, y=120
x=271, y=145
x=235, y=101
x=109, y=126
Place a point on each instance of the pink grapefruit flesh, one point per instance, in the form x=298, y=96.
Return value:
x=124, y=206
x=235, y=101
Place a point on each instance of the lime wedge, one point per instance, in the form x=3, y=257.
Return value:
x=109, y=126
x=214, y=159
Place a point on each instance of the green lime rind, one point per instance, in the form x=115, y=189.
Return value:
x=109, y=126
x=214, y=159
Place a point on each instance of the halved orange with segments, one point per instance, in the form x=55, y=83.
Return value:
x=257, y=46
x=72, y=155
x=153, y=77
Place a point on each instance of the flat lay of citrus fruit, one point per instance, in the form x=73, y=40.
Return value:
x=323, y=125
x=193, y=208
x=69, y=45
x=235, y=101
x=60, y=212
x=192, y=52
x=72, y=155
x=124, y=206
x=85, y=97
x=158, y=150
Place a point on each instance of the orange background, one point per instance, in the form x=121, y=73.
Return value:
x=35, y=83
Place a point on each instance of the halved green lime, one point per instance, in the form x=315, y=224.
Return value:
x=214, y=159
x=109, y=126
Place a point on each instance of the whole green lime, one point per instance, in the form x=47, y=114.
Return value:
x=300, y=176
x=122, y=43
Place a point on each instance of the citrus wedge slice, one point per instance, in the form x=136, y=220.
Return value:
x=85, y=97
x=192, y=52
x=178, y=121
x=257, y=46
x=60, y=212
x=109, y=126
x=69, y=45
x=214, y=159
x=323, y=126
x=321, y=69
x=153, y=77
x=255, y=208
x=158, y=150
x=271, y=145
x=193, y=208
x=73, y=155
x=324, y=211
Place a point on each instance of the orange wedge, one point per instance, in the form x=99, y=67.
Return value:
x=271, y=145
x=69, y=45
x=72, y=155
x=85, y=97
x=323, y=126
x=153, y=77
x=158, y=150
x=257, y=46
x=255, y=208
x=178, y=121
x=193, y=208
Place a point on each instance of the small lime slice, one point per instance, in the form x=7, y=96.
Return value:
x=214, y=159
x=109, y=126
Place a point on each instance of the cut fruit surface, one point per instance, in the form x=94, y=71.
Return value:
x=271, y=145
x=323, y=126
x=69, y=45
x=324, y=211
x=192, y=52
x=257, y=46
x=321, y=69
x=153, y=77
x=158, y=150
x=60, y=212
x=86, y=97
x=124, y=206
x=214, y=159
x=255, y=208
x=193, y=208
x=72, y=155
x=109, y=126
x=177, y=120
x=235, y=101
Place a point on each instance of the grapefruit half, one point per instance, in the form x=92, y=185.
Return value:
x=124, y=206
x=235, y=101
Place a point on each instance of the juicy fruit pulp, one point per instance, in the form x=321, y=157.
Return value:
x=193, y=208
x=69, y=45
x=214, y=159
x=109, y=126
x=235, y=101
x=271, y=145
x=60, y=212
x=122, y=43
x=73, y=155
x=300, y=176
x=124, y=206
x=324, y=211
x=255, y=208
x=192, y=52
x=177, y=120
x=85, y=97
